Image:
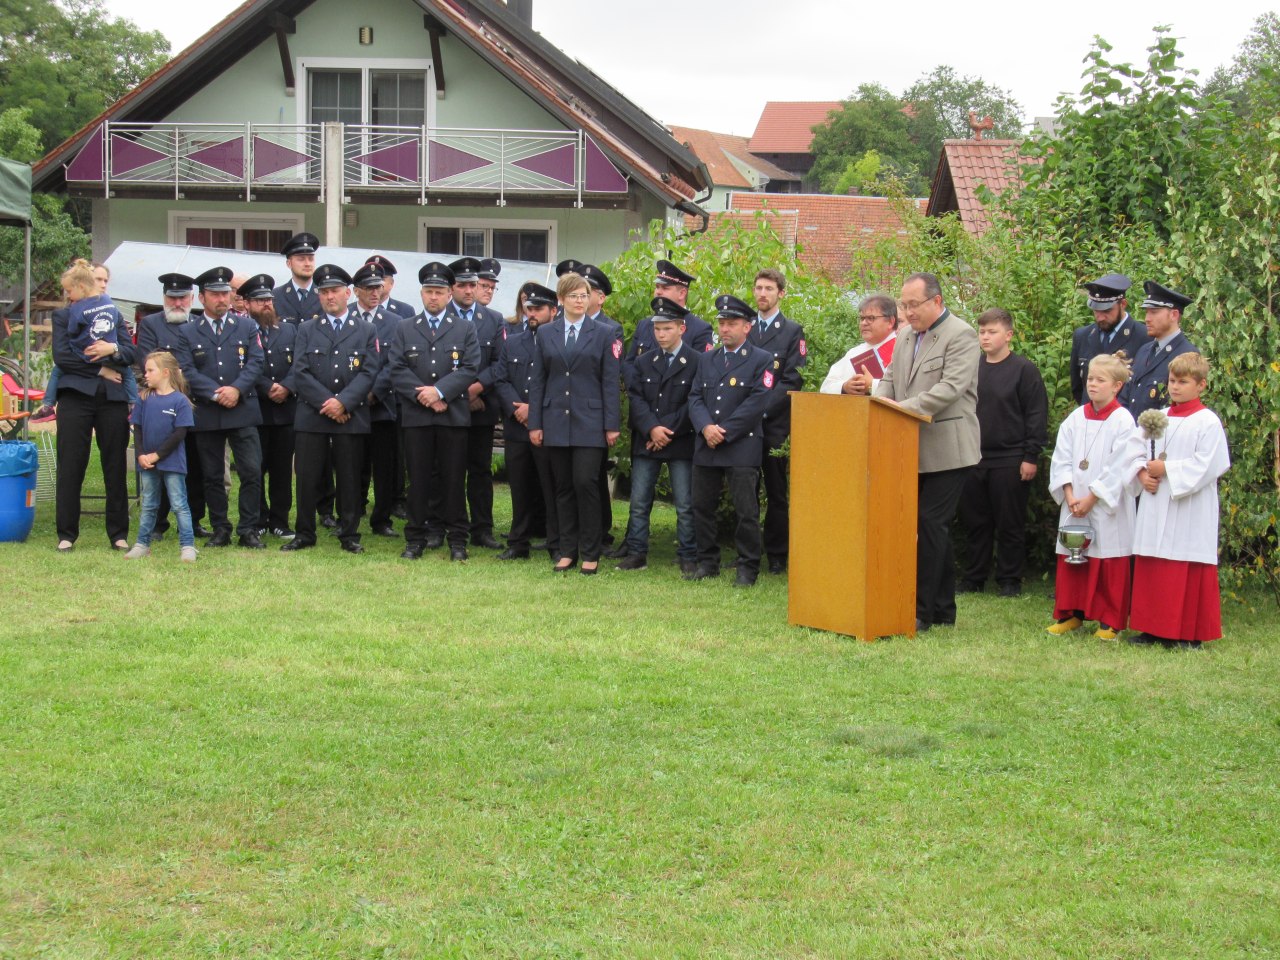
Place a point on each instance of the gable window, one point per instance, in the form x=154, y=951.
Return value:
x=258, y=233
x=532, y=241
x=388, y=93
x=335, y=96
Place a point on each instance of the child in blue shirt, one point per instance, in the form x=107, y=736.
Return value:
x=161, y=420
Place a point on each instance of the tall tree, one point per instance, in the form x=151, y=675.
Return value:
x=871, y=119
x=66, y=62
x=939, y=104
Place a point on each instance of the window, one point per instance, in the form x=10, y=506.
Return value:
x=335, y=96
x=530, y=241
x=393, y=93
x=398, y=98
x=258, y=233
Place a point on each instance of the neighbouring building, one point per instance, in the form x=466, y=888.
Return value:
x=784, y=133
x=963, y=166
x=431, y=125
x=732, y=166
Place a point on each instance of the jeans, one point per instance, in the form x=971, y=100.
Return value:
x=175, y=485
x=744, y=484
x=644, y=481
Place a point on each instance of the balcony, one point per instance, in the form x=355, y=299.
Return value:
x=367, y=163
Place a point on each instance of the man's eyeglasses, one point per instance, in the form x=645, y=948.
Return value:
x=909, y=305
x=868, y=317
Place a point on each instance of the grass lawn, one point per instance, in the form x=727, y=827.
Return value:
x=318, y=755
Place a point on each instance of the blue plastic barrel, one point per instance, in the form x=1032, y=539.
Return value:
x=19, y=463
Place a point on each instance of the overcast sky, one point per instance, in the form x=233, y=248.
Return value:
x=713, y=64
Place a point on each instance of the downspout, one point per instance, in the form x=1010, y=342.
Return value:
x=693, y=208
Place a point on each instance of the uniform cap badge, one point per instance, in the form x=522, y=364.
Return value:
x=733, y=381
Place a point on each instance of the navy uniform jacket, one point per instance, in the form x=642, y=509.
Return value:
x=278, y=353
x=154, y=333
x=232, y=360
x=384, y=323
x=784, y=340
x=399, y=307
x=488, y=324
x=575, y=398
x=294, y=310
x=1148, y=386
x=732, y=390
x=514, y=379
x=339, y=364
x=659, y=395
x=82, y=375
x=1086, y=343
x=446, y=360
x=697, y=335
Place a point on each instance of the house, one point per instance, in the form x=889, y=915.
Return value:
x=825, y=226
x=732, y=166
x=442, y=126
x=963, y=166
x=784, y=133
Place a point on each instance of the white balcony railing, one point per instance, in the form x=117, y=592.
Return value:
x=398, y=160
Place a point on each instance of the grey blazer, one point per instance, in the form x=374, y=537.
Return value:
x=941, y=381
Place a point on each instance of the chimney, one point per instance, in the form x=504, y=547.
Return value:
x=522, y=10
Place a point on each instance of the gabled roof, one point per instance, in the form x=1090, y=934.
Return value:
x=962, y=167
x=826, y=226
x=787, y=126
x=715, y=151
x=567, y=89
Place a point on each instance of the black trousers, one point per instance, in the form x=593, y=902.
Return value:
x=247, y=453
x=575, y=472
x=437, y=461
x=939, y=495
x=277, y=442
x=324, y=457
x=480, y=479
x=80, y=417
x=526, y=492
x=744, y=491
x=606, y=502
x=195, y=489
x=993, y=509
x=328, y=492
x=547, y=490
x=382, y=466
x=777, y=513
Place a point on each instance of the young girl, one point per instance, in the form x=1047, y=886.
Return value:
x=1175, y=545
x=93, y=318
x=1097, y=454
x=161, y=420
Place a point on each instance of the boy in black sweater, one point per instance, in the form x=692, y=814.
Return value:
x=1013, y=413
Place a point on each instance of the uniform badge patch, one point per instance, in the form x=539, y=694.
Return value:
x=768, y=378
x=777, y=364
x=686, y=359
x=1153, y=393
x=455, y=354
x=804, y=348
x=617, y=349
x=733, y=381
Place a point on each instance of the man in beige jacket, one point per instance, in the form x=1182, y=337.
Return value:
x=935, y=372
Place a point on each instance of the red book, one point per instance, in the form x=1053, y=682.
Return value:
x=868, y=362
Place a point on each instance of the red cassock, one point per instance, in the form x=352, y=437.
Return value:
x=1101, y=588
x=1176, y=599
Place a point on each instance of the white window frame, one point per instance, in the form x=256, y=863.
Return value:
x=180, y=220
x=365, y=66
x=488, y=226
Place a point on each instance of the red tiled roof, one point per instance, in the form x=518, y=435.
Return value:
x=716, y=151
x=786, y=223
x=825, y=226
x=963, y=165
x=787, y=126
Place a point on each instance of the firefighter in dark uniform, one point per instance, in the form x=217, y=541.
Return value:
x=784, y=340
x=381, y=461
x=661, y=432
x=296, y=299
x=727, y=404
x=482, y=400
x=222, y=370
x=334, y=366
x=527, y=465
x=434, y=358
x=601, y=290
x=671, y=283
x=163, y=331
x=278, y=404
x=1112, y=330
x=1148, y=386
x=398, y=307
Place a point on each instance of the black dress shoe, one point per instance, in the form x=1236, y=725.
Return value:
x=511, y=553
x=400, y=513
x=921, y=626
x=618, y=552
x=434, y=541
x=540, y=545
x=589, y=571
x=385, y=530
x=412, y=551
x=634, y=561
x=457, y=553
x=777, y=565
x=488, y=541
x=745, y=577
x=1142, y=639
x=297, y=543
x=564, y=565
x=688, y=566
x=220, y=538
x=329, y=523
x=352, y=546
x=252, y=541
x=702, y=573
x=201, y=531
x=1011, y=590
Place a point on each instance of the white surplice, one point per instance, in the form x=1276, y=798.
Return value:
x=1113, y=450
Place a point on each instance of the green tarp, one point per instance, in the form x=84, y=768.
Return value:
x=15, y=193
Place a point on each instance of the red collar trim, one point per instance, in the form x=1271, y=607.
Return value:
x=1091, y=414
x=1186, y=409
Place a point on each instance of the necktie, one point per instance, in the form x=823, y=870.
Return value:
x=435, y=324
x=573, y=338
x=671, y=358
x=467, y=316
x=337, y=324
x=217, y=328
x=302, y=294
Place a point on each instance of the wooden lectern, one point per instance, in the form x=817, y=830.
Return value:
x=852, y=563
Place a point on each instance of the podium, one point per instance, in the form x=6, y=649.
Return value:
x=854, y=468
